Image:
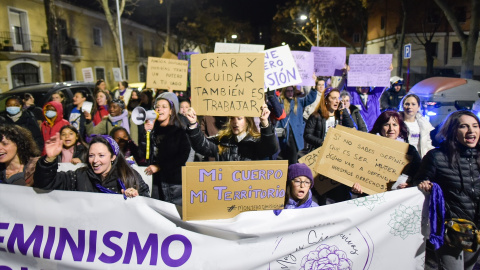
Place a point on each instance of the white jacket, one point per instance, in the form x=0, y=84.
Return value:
x=425, y=141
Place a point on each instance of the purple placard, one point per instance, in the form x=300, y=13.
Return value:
x=304, y=61
x=329, y=61
x=369, y=70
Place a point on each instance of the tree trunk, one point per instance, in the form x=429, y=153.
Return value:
x=429, y=54
x=402, y=40
x=468, y=42
x=114, y=29
x=167, y=39
x=53, y=40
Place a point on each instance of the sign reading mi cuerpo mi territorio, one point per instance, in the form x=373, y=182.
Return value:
x=227, y=84
x=350, y=156
x=218, y=190
x=164, y=73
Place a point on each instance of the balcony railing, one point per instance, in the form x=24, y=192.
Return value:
x=18, y=42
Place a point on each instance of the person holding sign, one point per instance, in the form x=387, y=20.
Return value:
x=455, y=167
x=238, y=141
x=299, y=185
x=18, y=155
x=328, y=114
x=293, y=124
x=107, y=170
x=168, y=150
x=390, y=124
x=418, y=126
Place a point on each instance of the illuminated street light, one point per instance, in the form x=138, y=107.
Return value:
x=304, y=17
x=234, y=36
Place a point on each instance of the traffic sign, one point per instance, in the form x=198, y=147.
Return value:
x=407, y=51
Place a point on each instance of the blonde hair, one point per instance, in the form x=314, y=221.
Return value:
x=228, y=132
x=286, y=102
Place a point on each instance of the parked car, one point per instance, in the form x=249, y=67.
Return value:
x=43, y=92
x=442, y=95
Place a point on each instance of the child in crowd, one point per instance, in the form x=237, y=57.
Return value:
x=74, y=147
x=54, y=121
x=128, y=148
x=299, y=184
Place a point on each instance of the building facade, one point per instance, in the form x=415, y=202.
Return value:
x=86, y=41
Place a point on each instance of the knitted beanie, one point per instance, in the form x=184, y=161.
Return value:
x=299, y=169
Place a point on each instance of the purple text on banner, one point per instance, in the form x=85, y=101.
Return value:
x=369, y=70
x=329, y=61
x=304, y=61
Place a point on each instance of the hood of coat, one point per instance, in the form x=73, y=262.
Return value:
x=58, y=107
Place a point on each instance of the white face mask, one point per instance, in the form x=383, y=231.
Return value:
x=50, y=114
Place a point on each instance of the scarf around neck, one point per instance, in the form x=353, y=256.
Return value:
x=122, y=117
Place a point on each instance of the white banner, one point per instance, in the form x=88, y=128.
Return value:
x=80, y=230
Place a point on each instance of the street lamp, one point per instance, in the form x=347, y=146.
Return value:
x=303, y=17
x=121, y=42
x=234, y=36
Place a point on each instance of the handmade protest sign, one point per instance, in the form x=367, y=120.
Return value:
x=350, y=156
x=304, y=62
x=329, y=61
x=322, y=184
x=280, y=68
x=227, y=84
x=237, y=48
x=215, y=190
x=164, y=73
x=369, y=70
x=87, y=74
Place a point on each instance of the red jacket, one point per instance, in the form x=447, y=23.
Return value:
x=52, y=126
x=101, y=112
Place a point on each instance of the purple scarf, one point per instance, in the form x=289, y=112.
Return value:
x=122, y=117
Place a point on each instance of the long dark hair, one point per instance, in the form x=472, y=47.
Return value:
x=79, y=136
x=119, y=165
x=384, y=118
x=174, y=119
x=22, y=137
x=447, y=135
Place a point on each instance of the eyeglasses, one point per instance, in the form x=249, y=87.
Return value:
x=298, y=183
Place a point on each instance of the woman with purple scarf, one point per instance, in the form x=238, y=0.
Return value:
x=117, y=117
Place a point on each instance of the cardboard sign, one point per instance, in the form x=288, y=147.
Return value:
x=304, y=61
x=237, y=48
x=350, y=156
x=227, y=84
x=87, y=74
x=369, y=70
x=322, y=184
x=329, y=61
x=163, y=73
x=117, y=74
x=216, y=190
x=280, y=68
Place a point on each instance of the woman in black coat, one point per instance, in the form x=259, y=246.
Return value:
x=107, y=170
x=238, y=141
x=328, y=114
x=455, y=167
x=168, y=152
x=24, y=118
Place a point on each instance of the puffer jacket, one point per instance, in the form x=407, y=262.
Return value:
x=460, y=184
x=82, y=179
x=315, y=128
x=249, y=148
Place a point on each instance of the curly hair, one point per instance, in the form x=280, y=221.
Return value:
x=23, y=139
x=384, y=118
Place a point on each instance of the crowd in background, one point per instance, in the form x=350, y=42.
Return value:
x=293, y=121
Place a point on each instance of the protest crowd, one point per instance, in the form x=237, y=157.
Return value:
x=292, y=121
